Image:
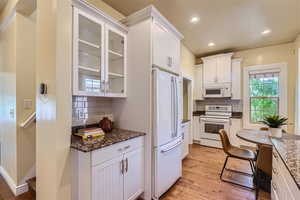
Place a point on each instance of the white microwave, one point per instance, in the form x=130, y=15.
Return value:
x=217, y=91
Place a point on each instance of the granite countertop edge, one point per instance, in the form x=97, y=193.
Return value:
x=116, y=136
x=275, y=144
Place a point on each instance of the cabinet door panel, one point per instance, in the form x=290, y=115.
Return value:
x=160, y=38
x=210, y=71
x=88, y=63
x=115, y=62
x=196, y=128
x=166, y=48
x=107, y=180
x=224, y=69
x=134, y=174
x=198, y=87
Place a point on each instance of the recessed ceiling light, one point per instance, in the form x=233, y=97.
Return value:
x=211, y=44
x=266, y=32
x=194, y=20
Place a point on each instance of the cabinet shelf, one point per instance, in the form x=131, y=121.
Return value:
x=117, y=55
x=89, y=68
x=116, y=75
x=89, y=43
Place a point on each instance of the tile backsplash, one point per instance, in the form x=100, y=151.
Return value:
x=237, y=105
x=90, y=110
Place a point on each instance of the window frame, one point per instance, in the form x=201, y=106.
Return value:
x=277, y=67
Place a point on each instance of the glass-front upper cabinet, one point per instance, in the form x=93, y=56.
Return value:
x=99, y=56
x=115, y=62
x=88, y=54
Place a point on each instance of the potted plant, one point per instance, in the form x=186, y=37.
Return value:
x=275, y=122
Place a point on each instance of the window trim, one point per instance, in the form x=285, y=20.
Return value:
x=277, y=67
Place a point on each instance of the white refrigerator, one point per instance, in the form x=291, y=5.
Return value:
x=167, y=137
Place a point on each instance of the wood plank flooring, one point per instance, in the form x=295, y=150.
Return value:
x=200, y=180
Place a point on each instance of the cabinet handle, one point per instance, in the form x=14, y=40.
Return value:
x=126, y=167
x=122, y=166
x=274, y=186
x=274, y=171
x=275, y=156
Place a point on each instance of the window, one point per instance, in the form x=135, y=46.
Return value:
x=264, y=95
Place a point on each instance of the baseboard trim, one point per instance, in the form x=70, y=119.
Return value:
x=16, y=190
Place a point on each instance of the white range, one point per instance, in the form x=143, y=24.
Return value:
x=216, y=117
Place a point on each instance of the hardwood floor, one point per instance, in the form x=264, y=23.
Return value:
x=200, y=180
x=6, y=194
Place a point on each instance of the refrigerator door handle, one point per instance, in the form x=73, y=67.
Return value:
x=172, y=147
x=176, y=107
x=172, y=107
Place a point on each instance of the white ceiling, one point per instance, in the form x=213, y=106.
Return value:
x=230, y=24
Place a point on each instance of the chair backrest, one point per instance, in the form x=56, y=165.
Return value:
x=225, y=141
x=264, y=159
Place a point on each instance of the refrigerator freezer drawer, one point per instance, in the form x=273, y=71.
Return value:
x=167, y=167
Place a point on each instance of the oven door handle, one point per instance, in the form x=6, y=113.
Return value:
x=216, y=121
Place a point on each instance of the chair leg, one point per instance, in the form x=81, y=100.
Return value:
x=224, y=167
x=225, y=163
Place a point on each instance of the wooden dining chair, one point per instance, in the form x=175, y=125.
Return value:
x=238, y=153
x=263, y=173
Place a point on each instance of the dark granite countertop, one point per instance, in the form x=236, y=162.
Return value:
x=289, y=151
x=236, y=115
x=116, y=136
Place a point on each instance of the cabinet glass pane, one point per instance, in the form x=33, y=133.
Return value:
x=89, y=31
x=89, y=81
x=115, y=62
x=89, y=56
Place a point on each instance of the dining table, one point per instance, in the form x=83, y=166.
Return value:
x=258, y=137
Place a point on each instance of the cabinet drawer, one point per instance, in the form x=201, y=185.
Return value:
x=115, y=150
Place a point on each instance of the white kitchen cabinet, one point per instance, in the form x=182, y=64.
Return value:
x=107, y=178
x=159, y=40
x=196, y=129
x=133, y=174
x=115, y=172
x=283, y=186
x=236, y=79
x=166, y=48
x=185, y=128
x=217, y=69
x=210, y=71
x=99, y=53
x=224, y=69
x=198, y=82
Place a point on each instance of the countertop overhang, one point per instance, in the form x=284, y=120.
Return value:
x=116, y=136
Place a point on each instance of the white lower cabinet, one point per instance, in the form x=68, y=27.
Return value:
x=185, y=127
x=196, y=128
x=134, y=174
x=115, y=172
x=107, y=180
x=283, y=186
